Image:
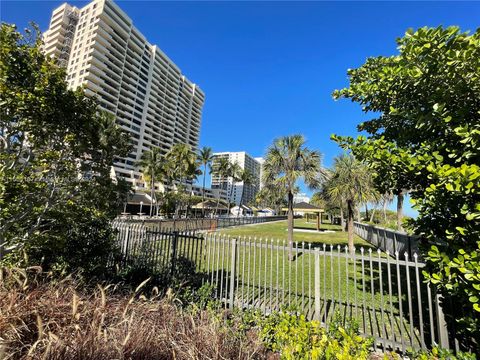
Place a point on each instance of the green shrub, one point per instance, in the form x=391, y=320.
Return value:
x=294, y=337
x=440, y=354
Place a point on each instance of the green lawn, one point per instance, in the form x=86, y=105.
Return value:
x=278, y=230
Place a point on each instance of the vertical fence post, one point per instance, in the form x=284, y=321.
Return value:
x=125, y=247
x=442, y=325
x=174, y=252
x=317, y=285
x=232, y=272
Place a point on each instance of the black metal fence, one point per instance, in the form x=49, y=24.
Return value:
x=195, y=224
x=387, y=296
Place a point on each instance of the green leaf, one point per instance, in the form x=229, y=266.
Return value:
x=461, y=230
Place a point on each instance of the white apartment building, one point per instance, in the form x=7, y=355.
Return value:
x=132, y=79
x=235, y=189
x=261, y=161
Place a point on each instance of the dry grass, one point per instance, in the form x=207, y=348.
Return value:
x=45, y=319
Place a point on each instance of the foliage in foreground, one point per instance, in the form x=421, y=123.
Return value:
x=42, y=317
x=61, y=320
x=440, y=354
x=425, y=138
x=56, y=194
x=294, y=337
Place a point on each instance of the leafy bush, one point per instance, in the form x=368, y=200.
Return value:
x=441, y=354
x=425, y=137
x=57, y=197
x=297, y=338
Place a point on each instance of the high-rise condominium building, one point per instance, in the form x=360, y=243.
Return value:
x=235, y=189
x=261, y=161
x=131, y=78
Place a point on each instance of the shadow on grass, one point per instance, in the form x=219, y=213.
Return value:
x=315, y=229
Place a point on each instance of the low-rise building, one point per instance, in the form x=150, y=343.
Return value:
x=301, y=197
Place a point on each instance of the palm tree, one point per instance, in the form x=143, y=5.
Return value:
x=351, y=182
x=287, y=161
x=335, y=200
x=234, y=172
x=110, y=136
x=247, y=179
x=221, y=169
x=375, y=200
x=184, y=164
x=205, y=156
x=400, y=197
x=154, y=167
x=192, y=173
x=385, y=199
x=271, y=196
x=318, y=199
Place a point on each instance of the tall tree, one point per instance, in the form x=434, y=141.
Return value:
x=333, y=200
x=318, y=199
x=351, y=182
x=193, y=171
x=272, y=196
x=205, y=156
x=221, y=169
x=425, y=136
x=154, y=169
x=234, y=173
x=386, y=199
x=247, y=179
x=184, y=165
x=288, y=160
x=57, y=196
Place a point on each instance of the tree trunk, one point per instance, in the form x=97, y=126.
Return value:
x=218, y=203
x=372, y=215
x=152, y=195
x=341, y=218
x=218, y=200
x=350, y=215
x=203, y=191
x=229, y=195
x=400, y=210
x=241, y=201
x=359, y=216
x=178, y=204
x=290, y=225
x=189, y=203
x=385, y=211
x=366, y=211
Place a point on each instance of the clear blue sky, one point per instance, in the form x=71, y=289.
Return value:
x=268, y=68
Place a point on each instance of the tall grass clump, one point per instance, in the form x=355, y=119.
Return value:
x=45, y=318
